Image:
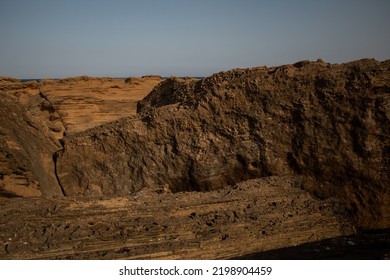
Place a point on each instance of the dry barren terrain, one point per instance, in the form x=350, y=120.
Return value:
x=241, y=162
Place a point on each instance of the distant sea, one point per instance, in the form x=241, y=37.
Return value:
x=28, y=80
x=38, y=80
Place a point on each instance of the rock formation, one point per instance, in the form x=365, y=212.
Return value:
x=256, y=215
x=243, y=161
x=34, y=116
x=326, y=123
x=26, y=153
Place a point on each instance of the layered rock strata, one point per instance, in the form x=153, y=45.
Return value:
x=256, y=215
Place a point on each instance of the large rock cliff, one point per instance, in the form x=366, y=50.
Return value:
x=329, y=124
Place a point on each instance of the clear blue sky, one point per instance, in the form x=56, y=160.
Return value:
x=180, y=37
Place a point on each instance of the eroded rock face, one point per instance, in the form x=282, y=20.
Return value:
x=29, y=95
x=26, y=153
x=308, y=127
x=329, y=124
x=55, y=108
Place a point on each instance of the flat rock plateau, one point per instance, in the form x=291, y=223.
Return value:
x=241, y=164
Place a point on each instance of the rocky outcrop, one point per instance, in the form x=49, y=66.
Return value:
x=327, y=123
x=55, y=108
x=26, y=153
x=253, y=216
x=28, y=94
x=243, y=161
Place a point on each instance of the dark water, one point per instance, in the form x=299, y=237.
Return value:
x=372, y=245
x=28, y=80
x=38, y=80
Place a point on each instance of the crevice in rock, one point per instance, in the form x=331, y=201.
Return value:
x=55, y=158
x=41, y=94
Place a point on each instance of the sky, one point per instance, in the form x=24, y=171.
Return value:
x=49, y=38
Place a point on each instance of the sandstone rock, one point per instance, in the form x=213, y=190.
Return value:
x=326, y=123
x=85, y=102
x=28, y=94
x=243, y=161
x=26, y=153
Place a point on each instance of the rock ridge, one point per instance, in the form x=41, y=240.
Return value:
x=327, y=123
